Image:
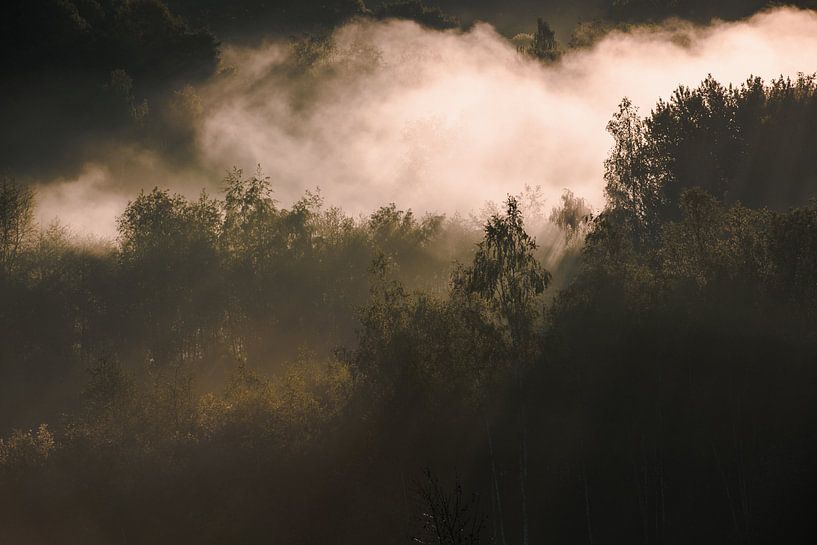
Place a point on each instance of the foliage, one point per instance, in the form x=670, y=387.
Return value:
x=233, y=368
x=92, y=70
x=26, y=450
x=505, y=274
x=417, y=10
x=698, y=10
x=573, y=216
x=729, y=141
x=541, y=45
x=16, y=212
x=448, y=518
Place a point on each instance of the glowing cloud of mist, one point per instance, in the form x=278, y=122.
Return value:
x=446, y=120
x=443, y=121
x=86, y=204
x=89, y=203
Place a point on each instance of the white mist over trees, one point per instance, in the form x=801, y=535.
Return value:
x=438, y=121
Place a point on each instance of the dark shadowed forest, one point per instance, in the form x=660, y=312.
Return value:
x=231, y=367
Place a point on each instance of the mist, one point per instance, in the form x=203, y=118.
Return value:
x=437, y=121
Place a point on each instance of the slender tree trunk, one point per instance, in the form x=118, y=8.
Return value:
x=405, y=494
x=641, y=489
x=728, y=490
x=500, y=523
x=587, y=501
x=662, y=500
x=523, y=473
x=742, y=488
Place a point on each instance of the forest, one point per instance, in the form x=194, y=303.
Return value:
x=234, y=369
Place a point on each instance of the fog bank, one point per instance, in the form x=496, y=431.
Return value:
x=435, y=121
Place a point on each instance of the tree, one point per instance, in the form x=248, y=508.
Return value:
x=419, y=11
x=168, y=253
x=448, y=518
x=630, y=184
x=573, y=216
x=740, y=144
x=506, y=277
x=16, y=221
x=248, y=212
x=544, y=46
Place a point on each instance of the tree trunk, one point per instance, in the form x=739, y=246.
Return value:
x=497, y=496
